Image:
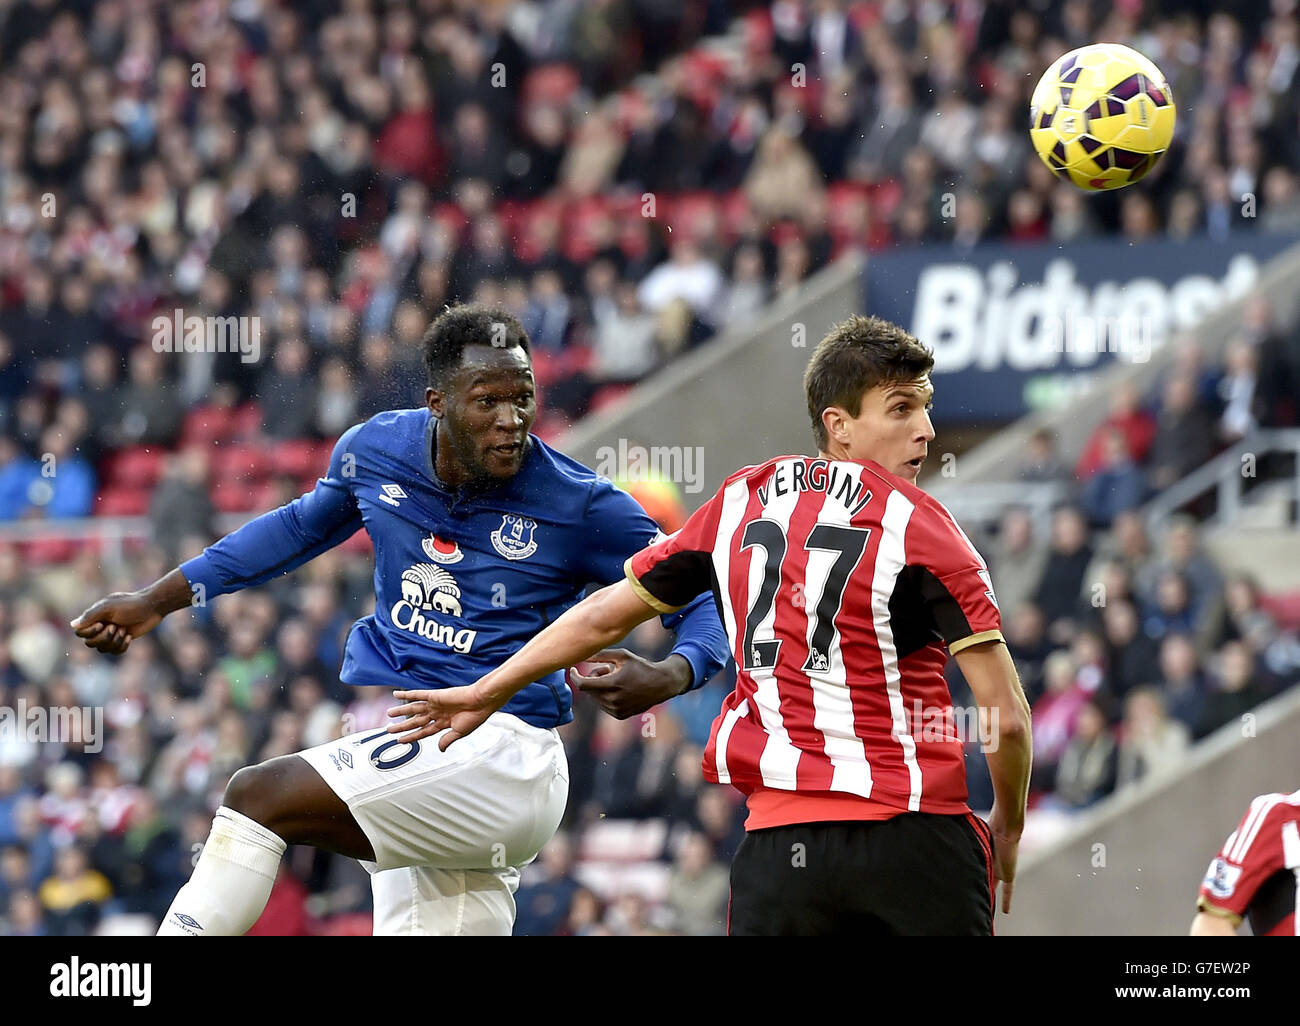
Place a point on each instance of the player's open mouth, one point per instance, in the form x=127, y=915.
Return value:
x=916, y=463
x=508, y=450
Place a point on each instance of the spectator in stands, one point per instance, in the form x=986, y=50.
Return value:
x=747, y=292
x=1054, y=716
x=181, y=504
x=698, y=889
x=150, y=413
x=1016, y=559
x=1117, y=486
x=1237, y=390
x=17, y=473
x=688, y=275
x=1088, y=765
x=1042, y=464
x=1281, y=214
x=543, y=907
x=73, y=895
x=25, y=918
x=1184, y=555
x=1171, y=611
x=287, y=390
x=1182, y=682
x=782, y=177
x=1068, y=558
x=1277, y=381
x=1185, y=434
x=1134, y=425
x=1131, y=658
x=1242, y=617
x=1237, y=686
x=1151, y=745
x=1026, y=634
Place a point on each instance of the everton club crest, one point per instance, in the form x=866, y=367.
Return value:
x=514, y=538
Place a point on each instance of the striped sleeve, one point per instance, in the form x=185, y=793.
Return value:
x=669, y=573
x=1251, y=854
x=953, y=577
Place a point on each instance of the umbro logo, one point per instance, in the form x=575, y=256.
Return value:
x=390, y=493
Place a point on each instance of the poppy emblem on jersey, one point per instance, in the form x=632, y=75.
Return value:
x=441, y=551
x=514, y=538
x=1221, y=878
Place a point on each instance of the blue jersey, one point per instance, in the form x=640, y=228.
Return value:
x=462, y=578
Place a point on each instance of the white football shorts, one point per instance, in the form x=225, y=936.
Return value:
x=451, y=829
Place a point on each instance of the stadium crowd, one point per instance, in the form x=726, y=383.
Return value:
x=340, y=171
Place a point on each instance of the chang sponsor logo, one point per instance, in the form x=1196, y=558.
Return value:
x=431, y=589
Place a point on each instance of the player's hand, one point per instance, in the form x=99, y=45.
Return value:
x=623, y=684
x=1006, y=847
x=111, y=623
x=458, y=711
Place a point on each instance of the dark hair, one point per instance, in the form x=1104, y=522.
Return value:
x=854, y=358
x=471, y=324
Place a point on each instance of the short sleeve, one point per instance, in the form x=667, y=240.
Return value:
x=672, y=571
x=954, y=579
x=1251, y=854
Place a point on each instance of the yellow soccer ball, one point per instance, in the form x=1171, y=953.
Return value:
x=1102, y=116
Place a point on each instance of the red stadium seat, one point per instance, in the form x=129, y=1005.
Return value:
x=49, y=551
x=248, y=421
x=208, y=424
x=250, y=464
x=137, y=468
x=607, y=396
x=232, y=496
x=1285, y=609
x=297, y=458
x=122, y=501
x=549, y=426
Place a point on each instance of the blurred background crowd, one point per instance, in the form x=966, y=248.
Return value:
x=629, y=177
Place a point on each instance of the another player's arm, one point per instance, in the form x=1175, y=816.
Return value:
x=991, y=674
x=595, y=623
x=267, y=546
x=616, y=529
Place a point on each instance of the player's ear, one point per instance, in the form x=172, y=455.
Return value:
x=833, y=419
x=435, y=400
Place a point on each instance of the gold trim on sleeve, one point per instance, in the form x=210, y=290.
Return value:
x=643, y=595
x=973, y=639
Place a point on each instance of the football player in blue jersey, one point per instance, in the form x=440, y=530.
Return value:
x=483, y=535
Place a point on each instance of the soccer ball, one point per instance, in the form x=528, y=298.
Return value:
x=1101, y=116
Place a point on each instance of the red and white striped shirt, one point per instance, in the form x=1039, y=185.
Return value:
x=839, y=584
x=1257, y=871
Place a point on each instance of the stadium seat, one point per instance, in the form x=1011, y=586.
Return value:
x=49, y=551
x=137, y=468
x=297, y=458
x=249, y=464
x=248, y=421
x=208, y=424
x=608, y=395
x=122, y=501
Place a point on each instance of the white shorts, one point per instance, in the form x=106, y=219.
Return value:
x=449, y=829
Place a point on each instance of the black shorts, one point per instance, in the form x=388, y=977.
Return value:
x=918, y=873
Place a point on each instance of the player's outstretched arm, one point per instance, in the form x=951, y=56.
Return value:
x=111, y=623
x=593, y=624
x=991, y=674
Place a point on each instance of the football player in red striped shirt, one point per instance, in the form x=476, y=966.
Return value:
x=1256, y=874
x=840, y=584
